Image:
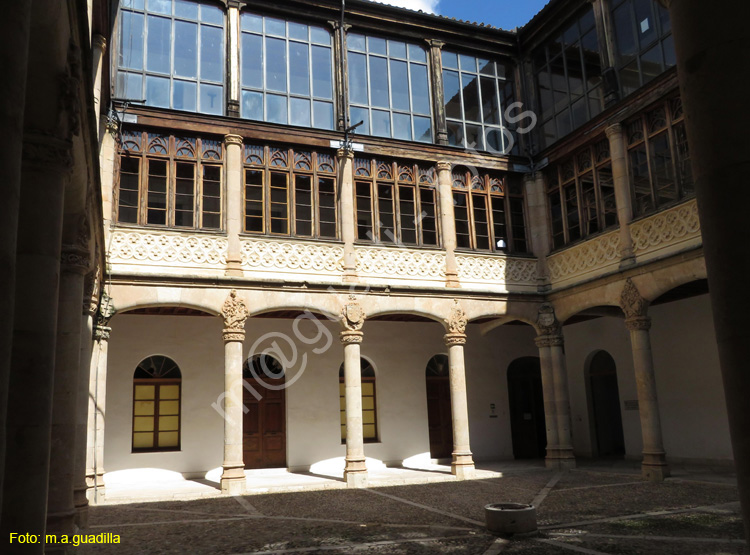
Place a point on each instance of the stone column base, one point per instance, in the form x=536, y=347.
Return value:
x=233, y=481
x=95, y=490
x=234, y=268
x=451, y=280
x=350, y=277
x=356, y=479
x=654, y=467
x=462, y=466
x=81, y=503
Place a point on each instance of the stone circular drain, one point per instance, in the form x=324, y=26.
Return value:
x=511, y=519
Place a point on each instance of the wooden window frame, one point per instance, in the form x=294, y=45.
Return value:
x=157, y=382
x=269, y=160
x=148, y=147
x=397, y=175
x=486, y=185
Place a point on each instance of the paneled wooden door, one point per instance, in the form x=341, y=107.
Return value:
x=264, y=424
x=439, y=418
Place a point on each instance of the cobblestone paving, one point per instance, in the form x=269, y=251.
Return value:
x=584, y=512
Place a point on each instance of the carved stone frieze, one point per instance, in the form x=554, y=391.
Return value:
x=549, y=341
x=292, y=256
x=74, y=259
x=496, y=269
x=45, y=152
x=403, y=263
x=631, y=301
x=664, y=229
x=171, y=248
x=589, y=256
x=234, y=312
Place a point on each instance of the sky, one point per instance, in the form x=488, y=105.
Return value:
x=506, y=14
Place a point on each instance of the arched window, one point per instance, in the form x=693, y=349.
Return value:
x=156, y=405
x=369, y=411
x=264, y=367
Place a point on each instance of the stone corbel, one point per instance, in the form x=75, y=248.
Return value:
x=104, y=315
x=635, y=307
x=234, y=311
x=352, y=319
x=456, y=325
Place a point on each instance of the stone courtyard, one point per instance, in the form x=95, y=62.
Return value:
x=595, y=509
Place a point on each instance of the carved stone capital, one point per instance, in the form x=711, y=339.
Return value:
x=456, y=321
x=638, y=323
x=352, y=315
x=351, y=336
x=99, y=42
x=101, y=333
x=452, y=339
x=614, y=129
x=46, y=152
x=106, y=311
x=74, y=259
x=235, y=313
x=631, y=301
x=90, y=294
x=344, y=153
x=549, y=341
x=435, y=43
x=442, y=165
x=547, y=323
x=233, y=140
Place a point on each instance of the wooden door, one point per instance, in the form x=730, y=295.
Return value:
x=439, y=419
x=605, y=401
x=526, y=401
x=264, y=425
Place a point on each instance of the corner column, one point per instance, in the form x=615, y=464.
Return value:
x=550, y=408
x=346, y=210
x=448, y=222
x=438, y=100
x=234, y=204
x=234, y=312
x=654, y=466
x=462, y=464
x=536, y=200
x=95, y=487
x=353, y=318
x=619, y=155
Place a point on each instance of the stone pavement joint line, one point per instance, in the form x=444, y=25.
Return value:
x=357, y=546
x=657, y=538
x=602, y=486
x=497, y=547
x=426, y=507
x=546, y=489
x=575, y=548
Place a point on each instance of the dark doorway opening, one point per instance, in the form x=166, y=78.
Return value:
x=439, y=419
x=527, y=408
x=264, y=424
x=605, y=406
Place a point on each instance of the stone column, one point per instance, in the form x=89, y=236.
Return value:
x=346, y=211
x=60, y=505
x=46, y=166
x=233, y=57
x=438, y=100
x=448, y=222
x=14, y=30
x=100, y=47
x=713, y=58
x=353, y=318
x=95, y=487
x=234, y=204
x=536, y=200
x=555, y=388
x=619, y=155
x=462, y=463
x=89, y=306
x=654, y=466
x=234, y=312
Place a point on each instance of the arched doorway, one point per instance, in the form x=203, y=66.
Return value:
x=526, y=401
x=264, y=423
x=439, y=419
x=157, y=388
x=605, y=405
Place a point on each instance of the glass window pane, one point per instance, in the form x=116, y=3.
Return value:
x=417, y=53
x=494, y=140
x=399, y=86
x=298, y=31
x=252, y=61
x=300, y=111
x=169, y=439
x=157, y=46
x=276, y=108
x=186, y=9
x=578, y=111
x=630, y=79
x=474, y=138
x=169, y=407
x=379, y=85
x=169, y=423
x=360, y=114
x=422, y=129
x=251, y=22
x=670, y=59
x=212, y=48
x=143, y=440
x=160, y=6
x=319, y=35
x=376, y=46
x=652, y=64
x=275, y=64
x=134, y=4
x=381, y=123
x=486, y=67
x=451, y=91
x=130, y=85
x=157, y=91
x=402, y=126
x=212, y=99
x=450, y=59
x=144, y=408
x=321, y=67
x=644, y=19
x=143, y=424
x=575, y=71
x=323, y=115
x=184, y=95
x=623, y=22
x=131, y=40
x=420, y=89
x=358, y=78
x=490, y=106
x=169, y=392
x=455, y=133
x=299, y=69
x=470, y=88
x=185, y=49
x=212, y=14
x=355, y=42
x=144, y=392
x=252, y=105
x=275, y=27
x=396, y=49
x=468, y=63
